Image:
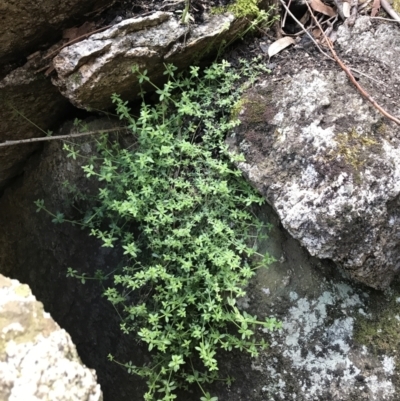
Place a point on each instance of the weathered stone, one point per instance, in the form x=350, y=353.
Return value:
x=26, y=24
x=90, y=71
x=38, y=360
x=29, y=104
x=327, y=161
x=330, y=346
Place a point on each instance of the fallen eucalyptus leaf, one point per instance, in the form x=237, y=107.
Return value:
x=279, y=45
x=319, y=6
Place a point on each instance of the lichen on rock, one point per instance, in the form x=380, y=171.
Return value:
x=328, y=164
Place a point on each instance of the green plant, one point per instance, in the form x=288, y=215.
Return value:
x=249, y=12
x=182, y=214
x=244, y=9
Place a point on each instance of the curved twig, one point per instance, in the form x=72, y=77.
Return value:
x=350, y=75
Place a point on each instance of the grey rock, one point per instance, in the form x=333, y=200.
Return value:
x=38, y=360
x=327, y=161
x=26, y=24
x=90, y=71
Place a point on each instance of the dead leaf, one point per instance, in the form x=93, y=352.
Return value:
x=316, y=33
x=76, y=32
x=305, y=17
x=279, y=45
x=49, y=70
x=375, y=7
x=346, y=9
x=319, y=6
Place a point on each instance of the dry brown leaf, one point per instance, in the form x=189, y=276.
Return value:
x=76, y=32
x=316, y=33
x=319, y=6
x=375, y=7
x=279, y=45
x=304, y=19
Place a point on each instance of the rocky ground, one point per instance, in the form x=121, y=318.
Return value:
x=339, y=339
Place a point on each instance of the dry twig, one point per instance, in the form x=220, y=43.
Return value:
x=385, y=19
x=319, y=48
x=388, y=8
x=52, y=138
x=285, y=15
x=354, y=11
x=304, y=29
x=350, y=75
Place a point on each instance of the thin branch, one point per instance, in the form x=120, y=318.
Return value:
x=385, y=19
x=284, y=17
x=368, y=76
x=353, y=16
x=319, y=48
x=350, y=75
x=57, y=137
x=388, y=8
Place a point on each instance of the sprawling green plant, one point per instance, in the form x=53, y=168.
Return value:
x=182, y=213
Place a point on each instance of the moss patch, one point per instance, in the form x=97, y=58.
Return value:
x=354, y=150
x=254, y=108
x=381, y=332
x=240, y=9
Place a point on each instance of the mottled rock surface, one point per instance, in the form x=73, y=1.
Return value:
x=338, y=341
x=327, y=161
x=26, y=23
x=90, y=71
x=38, y=360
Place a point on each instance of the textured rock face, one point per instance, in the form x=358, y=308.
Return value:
x=28, y=102
x=38, y=360
x=328, y=162
x=27, y=23
x=330, y=346
x=90, y=71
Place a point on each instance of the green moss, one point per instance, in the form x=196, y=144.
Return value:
x=382, y=127
x=381, y=332
x=353, y=147
x=253, y=109
x=396, y=5
x=237, y=108
x=240, y=9
x=76, y=78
